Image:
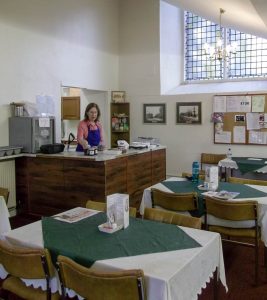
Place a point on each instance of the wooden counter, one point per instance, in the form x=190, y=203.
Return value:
x=48, y=184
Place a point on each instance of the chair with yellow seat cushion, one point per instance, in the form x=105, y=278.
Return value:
x=174, y=201
x=5, y=193
x=169, y=217
x=26, y=263
x=210, y=159
x=101, y=206
x=201, y=175
x=246, y=181
x=94, y=285
x=235, y=211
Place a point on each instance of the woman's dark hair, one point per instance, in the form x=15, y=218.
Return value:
x=88, y=107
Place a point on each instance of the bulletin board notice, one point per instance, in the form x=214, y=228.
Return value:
x=240, y=119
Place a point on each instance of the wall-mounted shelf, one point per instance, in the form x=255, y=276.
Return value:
x=120, y=122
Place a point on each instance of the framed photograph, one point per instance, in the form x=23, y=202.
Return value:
x=118, y=96
x=155, y=113
x=188, y=112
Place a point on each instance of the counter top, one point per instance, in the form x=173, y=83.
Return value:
x=80, y=155
x=99, y=157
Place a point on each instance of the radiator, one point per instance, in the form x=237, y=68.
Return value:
x=8, y=180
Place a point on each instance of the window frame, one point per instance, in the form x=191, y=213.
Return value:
x=225, y=78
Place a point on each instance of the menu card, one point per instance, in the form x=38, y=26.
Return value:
x=118, y=209
x=211, y=178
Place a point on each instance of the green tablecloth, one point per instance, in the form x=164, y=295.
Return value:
x=83, y=242
x=246, y=165
x=188, y=186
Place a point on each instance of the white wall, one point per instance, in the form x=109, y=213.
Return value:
x=46, y=44
x=139, y=75
x=86, y=43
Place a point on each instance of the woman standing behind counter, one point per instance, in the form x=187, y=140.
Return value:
x=90, y=130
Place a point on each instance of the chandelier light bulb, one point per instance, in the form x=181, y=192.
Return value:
x=218, y=51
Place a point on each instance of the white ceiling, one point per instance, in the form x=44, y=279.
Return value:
x=249, y=16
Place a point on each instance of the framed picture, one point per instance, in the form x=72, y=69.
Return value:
x=188, y=112
x=118, y=96
x=155, y=113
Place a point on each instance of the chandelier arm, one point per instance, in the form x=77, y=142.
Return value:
x=221, y=51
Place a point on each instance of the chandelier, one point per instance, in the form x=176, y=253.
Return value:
x=220, y=51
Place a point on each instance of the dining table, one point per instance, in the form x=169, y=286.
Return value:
x=4, y=217
x=177, y=261
x=245, y=164
x=244, y=191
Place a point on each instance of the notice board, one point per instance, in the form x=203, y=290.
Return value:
x=240, y=119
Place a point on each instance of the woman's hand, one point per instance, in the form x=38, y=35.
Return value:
x=84, y=144
x=101, y=147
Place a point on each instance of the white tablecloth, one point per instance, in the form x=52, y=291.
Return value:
x=4, y=217
x=169, y=275
x=231, y=164
x=262, y=201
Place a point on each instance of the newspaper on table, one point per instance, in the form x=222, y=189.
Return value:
x=223, y=195
x=118, y=209
x=74, y=215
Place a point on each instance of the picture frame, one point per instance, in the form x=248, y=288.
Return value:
x=118, y=96
x=154, y=113
x=188, y=113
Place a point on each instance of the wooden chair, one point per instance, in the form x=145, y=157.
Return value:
x=235, y=211
x=171, y=218
x=174, y=201
x=101, y=206
x=246, y=181
x=94, y=285
x=5, y=193
x=28, y=264
x=201, y=174
x=210, y=159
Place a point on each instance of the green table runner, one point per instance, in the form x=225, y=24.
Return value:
x=188, y=187
x=83, y=242
x=246, y=165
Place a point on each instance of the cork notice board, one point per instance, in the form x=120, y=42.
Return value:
x=240, y=119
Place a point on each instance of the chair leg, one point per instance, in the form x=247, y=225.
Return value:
x=256, y=263
x=265, y=256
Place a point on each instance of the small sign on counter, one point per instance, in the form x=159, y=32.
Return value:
x=118, y=209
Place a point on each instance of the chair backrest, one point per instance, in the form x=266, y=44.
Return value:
x=232, y=210
x=247, y=181
x=27, y=263
x=210, y=159
x=101, y=206
x=171, y=218
x=187, y=174
x=93, y=285
x=174, y=201
x=5, y=193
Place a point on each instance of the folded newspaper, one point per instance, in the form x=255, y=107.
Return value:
x=75, y=215
x=224, y=195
